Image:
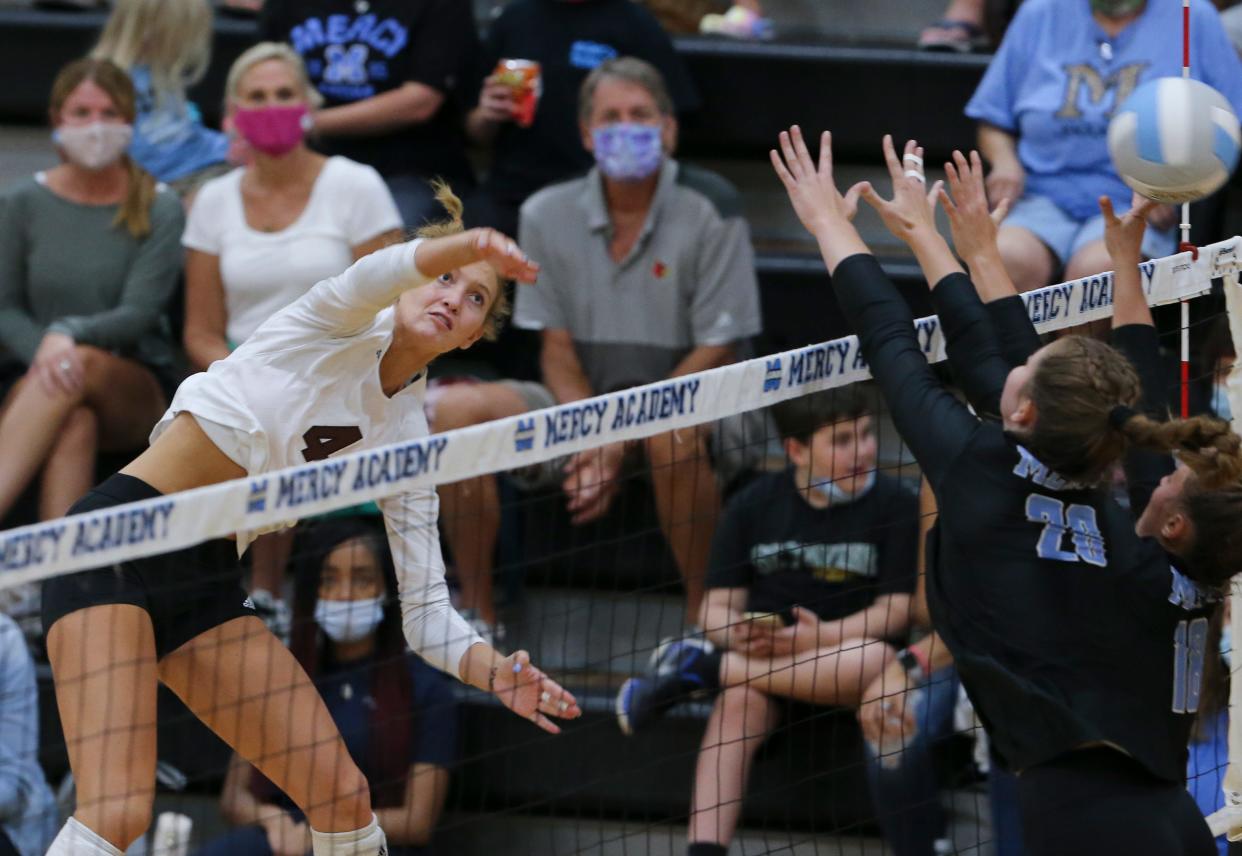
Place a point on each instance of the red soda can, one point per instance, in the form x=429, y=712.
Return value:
x=525, y=78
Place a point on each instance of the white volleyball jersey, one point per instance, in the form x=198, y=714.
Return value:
x=306, y=387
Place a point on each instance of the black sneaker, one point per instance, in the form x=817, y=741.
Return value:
x=680, y=669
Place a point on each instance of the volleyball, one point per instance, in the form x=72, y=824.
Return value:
x=1174, y=140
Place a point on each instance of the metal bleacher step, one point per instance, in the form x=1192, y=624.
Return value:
x=599, y=637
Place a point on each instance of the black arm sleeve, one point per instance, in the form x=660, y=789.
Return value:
x=1015, y=333
x=971, y=342
x=1141, y=346
x=935, y=425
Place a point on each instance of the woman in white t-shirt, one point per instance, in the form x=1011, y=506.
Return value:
x=259, y=237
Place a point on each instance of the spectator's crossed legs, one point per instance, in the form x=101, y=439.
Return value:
x=747, y=710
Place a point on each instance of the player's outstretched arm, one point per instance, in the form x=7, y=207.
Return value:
x=519, y=685
x=350, y=301
x=1123, y=237
x=437, y=256
x=932, y=422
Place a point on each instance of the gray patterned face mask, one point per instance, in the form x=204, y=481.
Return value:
x=1116, y=8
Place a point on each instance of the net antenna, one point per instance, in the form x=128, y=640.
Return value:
x=1186, y=245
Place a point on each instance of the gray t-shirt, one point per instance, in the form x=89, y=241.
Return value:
x=66, y=264
x=688, y=281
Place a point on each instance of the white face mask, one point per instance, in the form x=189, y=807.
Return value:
x=93, y=146
x=349, y=620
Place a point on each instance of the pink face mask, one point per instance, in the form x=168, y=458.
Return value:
x=272, y=130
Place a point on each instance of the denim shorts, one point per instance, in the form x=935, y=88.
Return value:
x=1065, y=235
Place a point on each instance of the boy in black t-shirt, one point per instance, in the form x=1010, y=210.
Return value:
x=812, y=569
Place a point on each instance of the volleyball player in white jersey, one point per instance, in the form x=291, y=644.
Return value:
x=341, y=369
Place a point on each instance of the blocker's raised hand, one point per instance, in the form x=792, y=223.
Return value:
x=810, y=186
x=913, y=208
x=974, y=227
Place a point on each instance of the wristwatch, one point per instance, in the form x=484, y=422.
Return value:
x=910, y=662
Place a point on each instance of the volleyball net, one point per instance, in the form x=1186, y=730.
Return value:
x=595, y=602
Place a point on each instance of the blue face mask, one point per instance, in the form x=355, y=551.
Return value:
x=628, y=151
x=1226, y=645
x=349, y=620
x=1220, y=402
x=836, y=496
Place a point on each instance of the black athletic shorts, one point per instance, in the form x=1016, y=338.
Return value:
x=186, y=593
x=1100, y=801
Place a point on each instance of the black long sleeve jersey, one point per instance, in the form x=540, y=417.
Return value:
x=1067, y=628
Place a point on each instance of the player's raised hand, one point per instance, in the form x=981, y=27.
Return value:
x=811, y=188
x=531, y=694
x=503, y=254
x=912, y=210
x=1123, y=236
x=974, y=227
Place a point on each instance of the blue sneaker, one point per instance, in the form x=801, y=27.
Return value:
x=680, y=669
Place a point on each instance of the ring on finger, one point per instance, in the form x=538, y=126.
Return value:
x=917, y=175
x=545, y=697
x=65, y=365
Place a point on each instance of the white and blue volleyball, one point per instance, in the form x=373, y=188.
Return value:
x=1174, y=140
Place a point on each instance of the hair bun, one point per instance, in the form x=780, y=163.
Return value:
x=1120, y=415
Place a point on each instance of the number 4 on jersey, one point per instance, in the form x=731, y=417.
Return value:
x=1079, y=520
x=323, y=440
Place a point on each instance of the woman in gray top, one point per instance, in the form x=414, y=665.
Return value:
x=89, y=256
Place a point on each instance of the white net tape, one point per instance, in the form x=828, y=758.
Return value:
x=38, y=551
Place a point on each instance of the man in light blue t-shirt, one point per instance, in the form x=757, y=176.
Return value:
x=1043, y=109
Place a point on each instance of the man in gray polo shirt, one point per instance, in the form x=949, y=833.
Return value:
x=646, y=275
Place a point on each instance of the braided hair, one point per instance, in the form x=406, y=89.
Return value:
x=1076, y=384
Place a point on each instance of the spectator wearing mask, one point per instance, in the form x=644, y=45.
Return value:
x=85, y=329
x=647, y=273
x=165, y=46
x=390, y=73
x=28, y=814
x=396, y=714
x=1043, y=109
x=568, y=38
x=258, y=238
x=811, y=572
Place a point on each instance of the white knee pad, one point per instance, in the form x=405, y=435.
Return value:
x=368, y=841
x=75, y=839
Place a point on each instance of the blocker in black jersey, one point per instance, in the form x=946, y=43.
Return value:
x=1067, y=628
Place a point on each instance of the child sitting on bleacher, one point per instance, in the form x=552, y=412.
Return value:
x=396, y=714
x=811, y=572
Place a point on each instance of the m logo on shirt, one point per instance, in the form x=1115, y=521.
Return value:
x=1082, y=76
x=345, y=64
x=832, y=563
x=346, y=54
